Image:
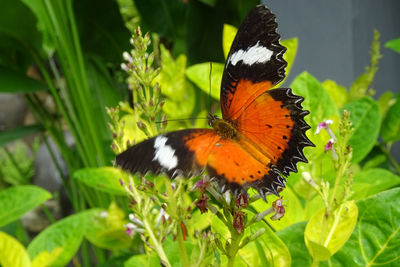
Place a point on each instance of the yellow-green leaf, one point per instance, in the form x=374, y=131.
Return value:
x=12, y=252
x=106, y=179
x=107, y=230
x=325, y=236
x=228, y=35
x=289, y=56
x=46, y=258
x=337, y=92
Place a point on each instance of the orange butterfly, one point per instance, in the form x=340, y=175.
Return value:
x=261, y=135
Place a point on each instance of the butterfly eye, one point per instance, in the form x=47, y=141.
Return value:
x=211, y=118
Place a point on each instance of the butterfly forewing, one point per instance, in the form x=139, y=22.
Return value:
x=255, y=56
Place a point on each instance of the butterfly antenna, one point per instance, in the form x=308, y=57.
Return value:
x=184, y=119
x=209, y=93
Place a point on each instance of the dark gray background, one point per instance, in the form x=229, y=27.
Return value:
x=335, y=37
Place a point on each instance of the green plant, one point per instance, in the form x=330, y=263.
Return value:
x=340, y=209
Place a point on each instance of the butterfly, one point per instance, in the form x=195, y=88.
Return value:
x=261, y=135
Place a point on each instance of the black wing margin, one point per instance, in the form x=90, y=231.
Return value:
x=255, y=54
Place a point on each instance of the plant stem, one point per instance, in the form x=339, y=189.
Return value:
x=234, y=247
x=182, y=248
x=157, y=245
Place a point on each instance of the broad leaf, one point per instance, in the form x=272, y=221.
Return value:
x=106, y=179
x=290, y=55
x=376, y=238
x=316, y=98
x=322, y=242
x=394, y=45
x=66, y=234
x=19, y=36
x=107, y=229
x=18, y=133
x=293, y=237
x=180, y=94
x=373, y=181
x=101, y=29
x=385, y=102
x=15, y=82
x=12, y=252
x=143, y=260
x=366, y=120
x=268, y=245
x=46, y=258
x=337, y=92
x=391, y=125
x=294, y=211
x=228, y=35
x=18, y=200
x=200, y=75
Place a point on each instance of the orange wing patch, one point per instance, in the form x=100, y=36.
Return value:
x=267, y=124
x=201, y=142
x=232, y=163
x=240, y=95
x=274, y=123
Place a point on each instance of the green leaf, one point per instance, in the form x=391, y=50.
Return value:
x=18, y=200
x=228, y=35
x=373, y=181
x=46, y=258
x=200, y=75
x=268, y=245
x=12, y=252
x=289, y=56
x=18, y=133
x=106, y=179
x=339, y=226
x=293, y=237
x=19, y=36
x=366, y=120
x=108, y=231
x=101, y=29
x=144, y=260
x=316, y=98
x=180, y=94
x=15, y=82
x=66, y=234
x=337, y=92
x=376, y=238
x=391, y=125
x=294, y=211
x=394, y=45
x=321, y=107
x=385, y=102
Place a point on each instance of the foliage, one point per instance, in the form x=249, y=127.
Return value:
x=340, y=209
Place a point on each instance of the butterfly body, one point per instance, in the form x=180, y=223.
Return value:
x=261, y=135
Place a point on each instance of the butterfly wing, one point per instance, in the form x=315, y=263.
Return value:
x=236, y=168
x=255, y=57
x=176, y=153
x=279, y=128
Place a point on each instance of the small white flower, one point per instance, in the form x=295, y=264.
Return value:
x=323, y=125
x=124, y=67
x=127, y=57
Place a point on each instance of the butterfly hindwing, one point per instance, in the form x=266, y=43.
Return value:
x=175, y=153
x=279, y=130
x=255, y=56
